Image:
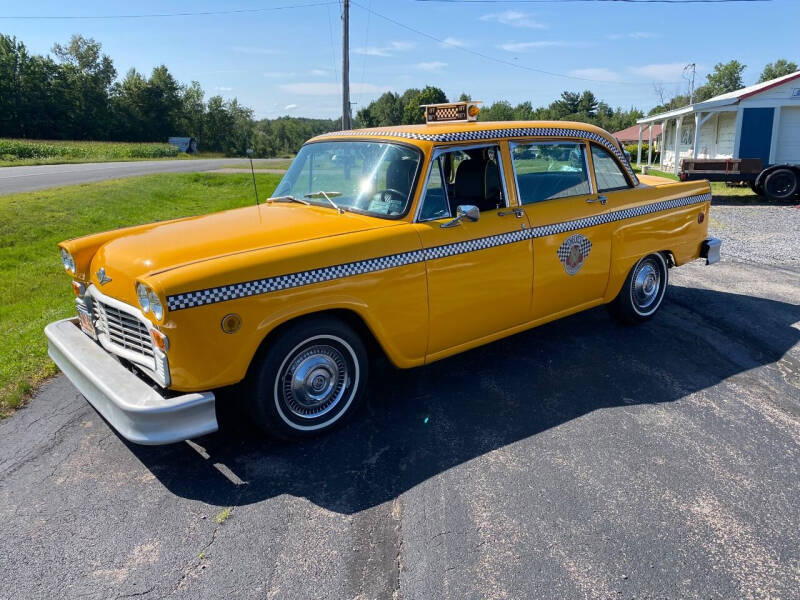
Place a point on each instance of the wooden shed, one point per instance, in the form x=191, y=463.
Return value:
x=761, y=122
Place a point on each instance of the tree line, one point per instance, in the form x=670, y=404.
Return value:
x=74, y=94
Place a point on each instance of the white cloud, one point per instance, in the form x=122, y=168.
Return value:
x=598, y=73
x=634, y=35
x=451, y=42
x=660, y=71
x=255, y=50
x=278, y=74
x=319, y=72
x=515, y=19
x=431, y=66
x=290, y=107
x=329, y=89
x=522, y=46
x=390, y=49
x=222, y=88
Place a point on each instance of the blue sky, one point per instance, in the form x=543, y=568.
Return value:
x=288, y=61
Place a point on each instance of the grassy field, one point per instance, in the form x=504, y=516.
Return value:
x=19, y=152
x=34, y=289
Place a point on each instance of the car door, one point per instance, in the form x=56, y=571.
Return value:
x=571, y=250
x=479, y=272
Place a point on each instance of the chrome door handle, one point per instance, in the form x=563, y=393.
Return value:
x=514, y=211
x=600, y=198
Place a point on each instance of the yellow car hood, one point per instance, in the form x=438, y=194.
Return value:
x=173, y=244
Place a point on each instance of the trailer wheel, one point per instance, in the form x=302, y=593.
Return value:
x=781, y=184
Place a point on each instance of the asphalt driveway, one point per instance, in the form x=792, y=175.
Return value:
x=579, y=460
x=25, y=179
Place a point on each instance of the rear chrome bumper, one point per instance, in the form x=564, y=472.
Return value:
x=709, y=250
x=137, y=411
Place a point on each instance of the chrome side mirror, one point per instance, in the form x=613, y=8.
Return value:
x=464, y=211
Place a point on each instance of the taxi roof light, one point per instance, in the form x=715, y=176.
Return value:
x=452, y=112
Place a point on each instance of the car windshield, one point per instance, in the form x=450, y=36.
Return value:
x=375, y=178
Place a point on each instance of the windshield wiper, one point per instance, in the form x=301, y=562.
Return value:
x=327, y=196
x=287, y=199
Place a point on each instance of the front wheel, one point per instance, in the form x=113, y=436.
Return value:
x=310, y=379
x=643, y=291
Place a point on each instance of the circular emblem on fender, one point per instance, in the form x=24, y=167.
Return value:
x=573, y=252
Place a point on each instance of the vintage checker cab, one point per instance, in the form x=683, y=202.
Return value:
x=416, y=241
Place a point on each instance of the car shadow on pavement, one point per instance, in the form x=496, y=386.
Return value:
x=422, y=422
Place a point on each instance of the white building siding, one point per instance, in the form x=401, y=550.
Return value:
x=788, y=147
x=726, y=135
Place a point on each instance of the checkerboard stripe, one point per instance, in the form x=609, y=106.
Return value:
x=259, y=287
x=490, y=134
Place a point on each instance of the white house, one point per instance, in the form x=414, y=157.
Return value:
x=758, y=121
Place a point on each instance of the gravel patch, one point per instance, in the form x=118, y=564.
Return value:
x=765, y=234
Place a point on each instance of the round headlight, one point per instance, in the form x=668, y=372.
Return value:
x=144, y=300
x=155, y=305
x=67, y=261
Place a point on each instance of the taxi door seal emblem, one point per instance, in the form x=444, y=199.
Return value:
x=573, y=253
x=102, y=278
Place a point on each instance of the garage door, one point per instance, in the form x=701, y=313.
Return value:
x=788, y=150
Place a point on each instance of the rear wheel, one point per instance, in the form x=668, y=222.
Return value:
x=643, y=291
x=781, y=184
x=311, y=379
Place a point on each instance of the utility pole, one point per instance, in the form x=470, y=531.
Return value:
x=693, y=67
x=346, y=64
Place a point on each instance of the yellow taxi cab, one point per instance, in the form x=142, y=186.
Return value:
x=417, y=241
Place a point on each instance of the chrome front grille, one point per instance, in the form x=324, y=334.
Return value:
x=124, y=331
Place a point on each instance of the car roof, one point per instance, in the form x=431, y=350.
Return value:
x=463, y=131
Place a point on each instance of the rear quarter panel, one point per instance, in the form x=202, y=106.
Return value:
x=673, y=230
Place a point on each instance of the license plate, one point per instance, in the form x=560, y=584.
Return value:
x=85, y=319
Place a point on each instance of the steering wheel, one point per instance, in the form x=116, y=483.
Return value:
x=388, y=194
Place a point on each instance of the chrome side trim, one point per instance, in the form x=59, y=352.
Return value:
x=267, y=285
x=132, y=407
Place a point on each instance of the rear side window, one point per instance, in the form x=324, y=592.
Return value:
x=549, y=170
x=606, y=171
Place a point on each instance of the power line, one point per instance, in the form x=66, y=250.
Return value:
x=573, y=1
x=177, y=14
x=494, y=58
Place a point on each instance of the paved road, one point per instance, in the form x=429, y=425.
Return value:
x=579, y=460
x=26, y=179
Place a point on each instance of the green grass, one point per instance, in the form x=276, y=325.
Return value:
x=15, y=152
x=35, y=290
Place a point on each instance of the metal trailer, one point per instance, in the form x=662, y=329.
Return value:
x=780, y=182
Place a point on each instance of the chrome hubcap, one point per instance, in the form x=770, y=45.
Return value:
x=646, y=284
x=315, y=381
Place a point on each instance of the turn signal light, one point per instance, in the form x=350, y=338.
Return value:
x=473, y=110
x=78, y=288
x=160, y=340
x=701, y=217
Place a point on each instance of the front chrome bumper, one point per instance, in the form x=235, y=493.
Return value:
x=137, y=411
x=709, y=250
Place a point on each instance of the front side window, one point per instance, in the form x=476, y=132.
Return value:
x=548, y=170
x=606, y=171
x=376, y=178
x=470, y=176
